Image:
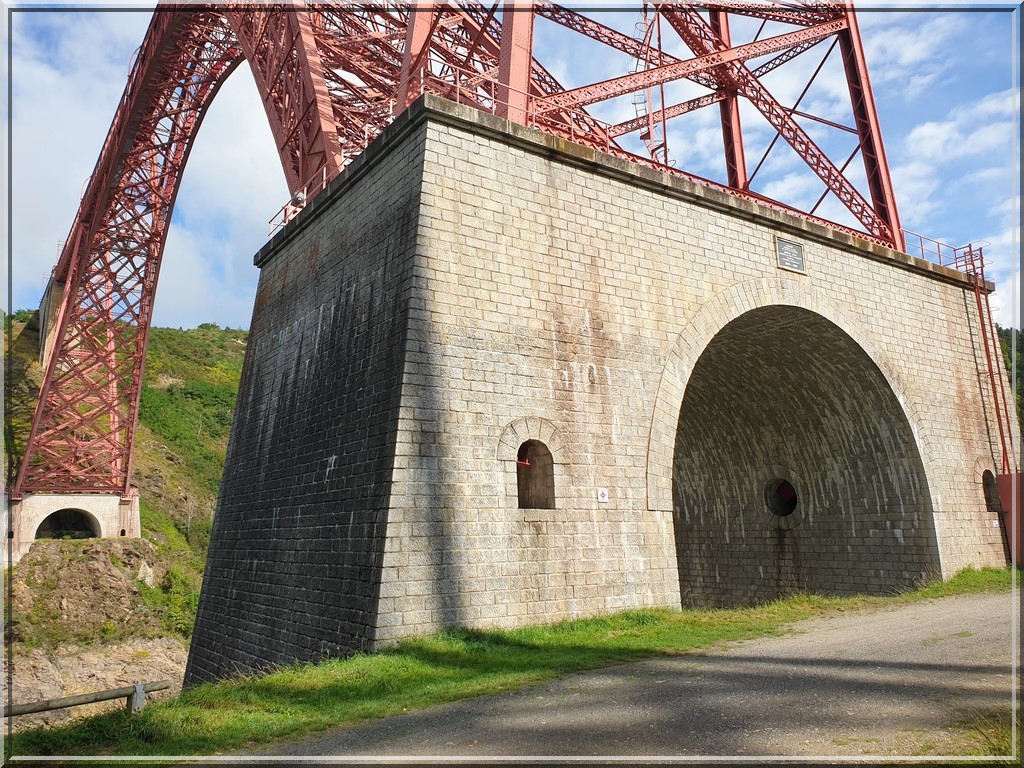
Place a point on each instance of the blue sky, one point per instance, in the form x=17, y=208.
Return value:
x=943, y=77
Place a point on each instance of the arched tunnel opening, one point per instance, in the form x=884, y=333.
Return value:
x=795, y=468
x=68, y=524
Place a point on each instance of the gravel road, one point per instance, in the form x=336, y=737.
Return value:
x=889, y=682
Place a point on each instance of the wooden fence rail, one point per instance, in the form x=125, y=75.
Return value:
x=135, y=695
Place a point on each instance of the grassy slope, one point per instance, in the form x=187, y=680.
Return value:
x=452, y=665
x=187, y=399
x=188, y=395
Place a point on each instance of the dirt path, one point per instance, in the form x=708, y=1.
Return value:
x=884, y=683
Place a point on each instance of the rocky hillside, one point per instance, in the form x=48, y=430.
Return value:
x=91, y=614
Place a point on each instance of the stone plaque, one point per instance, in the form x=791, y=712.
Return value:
x=791, y=255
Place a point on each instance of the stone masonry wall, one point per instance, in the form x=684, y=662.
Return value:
x=293, y=569
x=468, y=285
x=557, y=295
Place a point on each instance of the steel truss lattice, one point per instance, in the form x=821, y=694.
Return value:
x=332, y=76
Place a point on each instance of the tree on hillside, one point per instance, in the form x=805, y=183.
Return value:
x=1009, y=340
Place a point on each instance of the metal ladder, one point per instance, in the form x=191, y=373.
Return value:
x=972, y=262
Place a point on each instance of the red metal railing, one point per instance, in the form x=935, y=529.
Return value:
x=932, y=250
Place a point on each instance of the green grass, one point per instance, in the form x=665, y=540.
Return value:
x=969, y=581
x=991, y=732
x=175, y=598
x=419, y=672
x=161, y=529
x=189, y=392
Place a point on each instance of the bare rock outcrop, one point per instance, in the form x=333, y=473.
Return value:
x=79, y=623
x=37, y=674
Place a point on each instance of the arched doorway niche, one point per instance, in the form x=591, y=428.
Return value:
x=68, y=523
x=795, y=468
x=995, y=508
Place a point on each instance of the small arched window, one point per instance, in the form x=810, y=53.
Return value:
x=991, y=490
x=535, y=474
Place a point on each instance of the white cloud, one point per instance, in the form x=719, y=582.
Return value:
x=1001, y=249
x=941, y=142
x=231, y=188
x=916, y=183
x=800, y=188
x=932, y=140
x=198, y=289
x=1006, y=301
x=906, y=53
x=1000, y=174
x=958, y=175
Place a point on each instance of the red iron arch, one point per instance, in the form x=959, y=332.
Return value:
x=331, y=77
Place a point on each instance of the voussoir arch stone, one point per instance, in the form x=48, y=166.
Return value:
x=531, y=428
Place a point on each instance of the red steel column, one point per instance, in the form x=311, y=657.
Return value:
x=417, y=40
x=732, y=133
x=515, y=60
x=868, y=128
